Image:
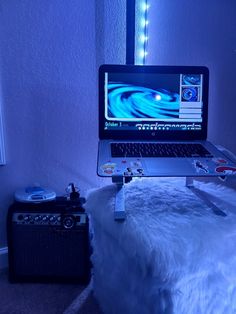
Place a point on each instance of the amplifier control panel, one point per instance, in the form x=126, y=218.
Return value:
x=67, y=221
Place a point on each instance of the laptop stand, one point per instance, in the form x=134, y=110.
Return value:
x=119, y=211
x=203, y=196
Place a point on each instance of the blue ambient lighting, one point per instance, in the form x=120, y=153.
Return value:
x=142, y=29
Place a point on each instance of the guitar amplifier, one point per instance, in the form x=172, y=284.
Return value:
x=48, y=241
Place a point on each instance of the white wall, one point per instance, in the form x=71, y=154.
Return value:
x=49, y=56
x=200, y=33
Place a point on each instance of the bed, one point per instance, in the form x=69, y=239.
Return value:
x=172, y=254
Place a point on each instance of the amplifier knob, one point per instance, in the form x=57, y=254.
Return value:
x=27, y=218
x=37, y=218
x=52, y=219
x=68, y=222
x=45, y=218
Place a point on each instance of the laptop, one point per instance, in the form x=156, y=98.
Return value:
x=153, y=122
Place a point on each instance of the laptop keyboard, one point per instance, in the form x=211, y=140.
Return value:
x=158, y=150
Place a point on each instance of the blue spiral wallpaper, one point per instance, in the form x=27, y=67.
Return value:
x=130, y=101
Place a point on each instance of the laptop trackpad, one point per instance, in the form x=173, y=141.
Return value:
x=169, y=167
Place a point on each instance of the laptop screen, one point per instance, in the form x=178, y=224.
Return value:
x=153, y=102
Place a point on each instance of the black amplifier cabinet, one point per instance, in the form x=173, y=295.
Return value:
x=48, y=242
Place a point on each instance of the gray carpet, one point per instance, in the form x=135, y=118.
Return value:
x=43, y=298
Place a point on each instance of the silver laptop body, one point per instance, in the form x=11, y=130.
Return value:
x=153, y=122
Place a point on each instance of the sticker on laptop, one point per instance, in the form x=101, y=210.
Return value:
x=200, y=166
x=226, y=170
x=108, y=168
x=135, y=169
x=219, y=160
x=136, y=164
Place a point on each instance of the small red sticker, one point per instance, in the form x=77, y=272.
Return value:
x=226, y=169
x=219, y=160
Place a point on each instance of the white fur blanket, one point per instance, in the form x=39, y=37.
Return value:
x=180, y=245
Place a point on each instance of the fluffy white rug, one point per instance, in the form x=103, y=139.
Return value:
x=172, y=254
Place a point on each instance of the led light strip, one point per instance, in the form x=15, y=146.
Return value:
x=141, y=31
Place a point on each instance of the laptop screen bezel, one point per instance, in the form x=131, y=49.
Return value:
x=150, y=135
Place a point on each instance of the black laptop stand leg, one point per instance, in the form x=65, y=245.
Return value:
x=119, y=211
x=203, y=196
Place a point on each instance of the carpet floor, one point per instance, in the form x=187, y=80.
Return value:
x=45, y=298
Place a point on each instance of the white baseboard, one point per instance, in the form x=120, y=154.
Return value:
x=3, y=258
